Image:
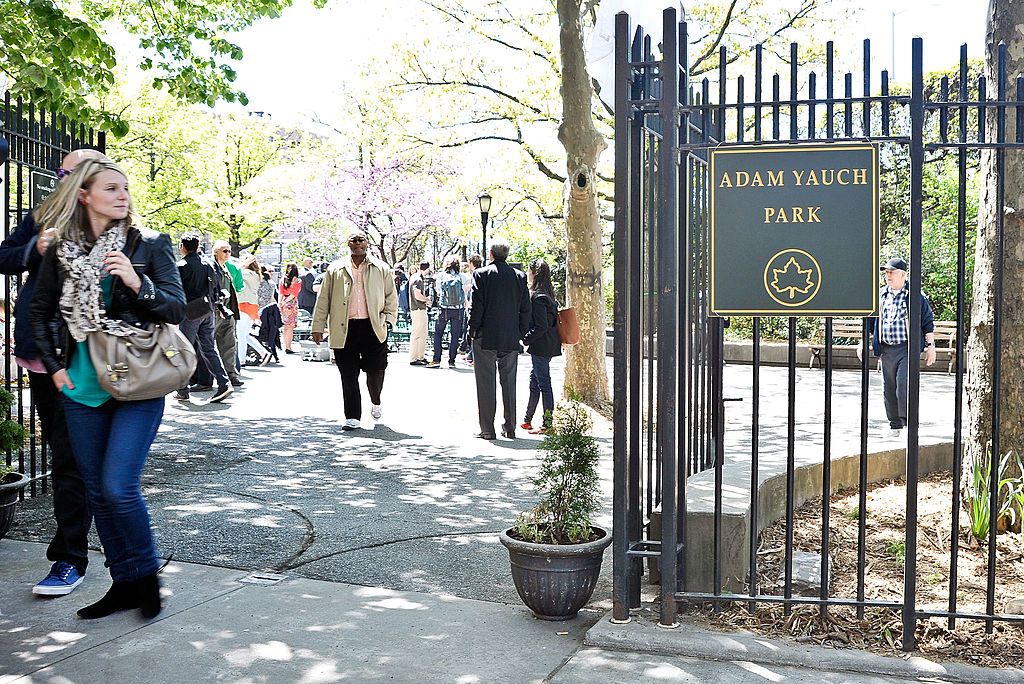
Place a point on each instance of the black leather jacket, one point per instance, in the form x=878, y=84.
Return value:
x=160, y=299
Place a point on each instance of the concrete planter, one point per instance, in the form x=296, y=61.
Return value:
x=10, y=487
x=556, y=580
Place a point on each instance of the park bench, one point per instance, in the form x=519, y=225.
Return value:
x=847, y=331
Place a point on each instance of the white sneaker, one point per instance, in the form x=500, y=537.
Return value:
x=375, y=411
x=351, y=424
x=894, y=433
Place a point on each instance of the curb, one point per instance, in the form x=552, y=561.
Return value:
x=641, y=635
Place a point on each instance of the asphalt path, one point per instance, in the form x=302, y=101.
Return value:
x=268, y=480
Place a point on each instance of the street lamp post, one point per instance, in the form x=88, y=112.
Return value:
x=485, y=210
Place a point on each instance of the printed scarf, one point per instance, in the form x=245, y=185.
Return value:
x=81, y=299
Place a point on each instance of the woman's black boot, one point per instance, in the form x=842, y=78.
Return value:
x=119, y=597
x=147, y=594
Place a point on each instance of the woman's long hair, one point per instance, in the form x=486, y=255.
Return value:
x=291, y=272
x=541, y=273
x=62, y=210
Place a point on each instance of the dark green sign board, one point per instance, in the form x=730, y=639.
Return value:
x=42, y=183
x=794, y=230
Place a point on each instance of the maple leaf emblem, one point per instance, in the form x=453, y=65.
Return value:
x=792, y=278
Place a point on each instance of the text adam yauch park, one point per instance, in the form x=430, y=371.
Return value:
x=476, y=341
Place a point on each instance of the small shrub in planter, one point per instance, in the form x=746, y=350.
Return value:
x=11, y=481
x=555, y=550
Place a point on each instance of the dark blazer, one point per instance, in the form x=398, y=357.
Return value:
x=542, y=337
x=161, y=298
x=501, y=313
x=17, y=255
x=307, y=297
x=199, y=278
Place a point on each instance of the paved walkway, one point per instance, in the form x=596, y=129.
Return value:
x=218, y=625
x=387, y=538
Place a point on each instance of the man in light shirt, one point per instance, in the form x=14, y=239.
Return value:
x=357, y=305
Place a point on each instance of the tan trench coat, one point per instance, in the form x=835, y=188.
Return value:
x=331, y=310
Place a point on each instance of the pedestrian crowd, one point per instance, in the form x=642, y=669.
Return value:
x=94, y=272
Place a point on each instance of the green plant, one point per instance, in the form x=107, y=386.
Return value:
x=977, y=491
x=898, y=550
x=12, y=435
x=568, y=480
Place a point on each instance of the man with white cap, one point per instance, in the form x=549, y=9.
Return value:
x=890, y=340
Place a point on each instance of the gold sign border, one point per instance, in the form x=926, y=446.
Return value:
x=749, y=149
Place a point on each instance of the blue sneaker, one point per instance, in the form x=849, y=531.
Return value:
x=61, y=581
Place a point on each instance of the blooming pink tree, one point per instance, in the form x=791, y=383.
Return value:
x=398, y=205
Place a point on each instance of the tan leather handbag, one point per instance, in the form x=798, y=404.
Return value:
x=568, y=326
x=144, y=365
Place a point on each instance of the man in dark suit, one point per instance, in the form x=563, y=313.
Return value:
x=498, y=319
x=201, y=283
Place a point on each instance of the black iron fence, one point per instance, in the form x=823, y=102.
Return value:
x=668, y=376
x=37, y=141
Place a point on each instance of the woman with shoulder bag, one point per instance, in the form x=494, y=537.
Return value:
x=106, y=275
x=542, y=344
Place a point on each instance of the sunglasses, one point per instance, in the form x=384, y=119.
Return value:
x=62, y=172
x=357, y=239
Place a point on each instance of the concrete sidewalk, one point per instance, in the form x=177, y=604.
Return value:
x=218, y=625
x=387, y=537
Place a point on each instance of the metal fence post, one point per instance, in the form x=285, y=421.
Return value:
x=668, y=312
x=914, y=343
x=623, y=173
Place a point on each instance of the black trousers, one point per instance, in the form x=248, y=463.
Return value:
x=362, y=351
x=70, y=542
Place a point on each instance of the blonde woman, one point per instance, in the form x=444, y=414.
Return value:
x=105, y=272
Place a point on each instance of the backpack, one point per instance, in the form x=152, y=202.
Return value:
x=451, y=295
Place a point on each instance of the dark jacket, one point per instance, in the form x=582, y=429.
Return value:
x=161, y=298
x=501, y=314
x=307, y=296
x=542, y=337
x=199, y=278
x=927, y=322
x=228, y=299
x=17, y=255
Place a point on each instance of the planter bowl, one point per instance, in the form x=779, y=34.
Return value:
x=556, y=580
x=9, y=490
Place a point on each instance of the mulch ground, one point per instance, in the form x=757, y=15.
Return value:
x=880, y=630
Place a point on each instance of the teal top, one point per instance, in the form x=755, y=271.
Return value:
x=82, y=373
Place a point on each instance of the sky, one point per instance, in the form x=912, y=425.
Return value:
x=295, y=66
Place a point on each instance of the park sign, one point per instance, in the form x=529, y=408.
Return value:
x=794, y=230
x=42, y=184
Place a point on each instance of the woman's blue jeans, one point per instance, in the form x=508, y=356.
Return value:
x=540, y=386
x=111, y=443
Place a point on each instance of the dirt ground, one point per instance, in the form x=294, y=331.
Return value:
x=880, y=630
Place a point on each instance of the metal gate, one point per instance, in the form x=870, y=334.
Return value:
x=36, y=142
x=668, y=375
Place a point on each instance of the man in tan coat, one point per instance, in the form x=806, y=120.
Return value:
x=357, y=305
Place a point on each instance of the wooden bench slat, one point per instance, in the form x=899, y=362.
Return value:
x=944, y=334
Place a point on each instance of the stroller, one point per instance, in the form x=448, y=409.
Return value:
x=265, y=339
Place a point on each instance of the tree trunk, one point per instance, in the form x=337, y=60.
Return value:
x=1004, y=19
x=585, y=370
